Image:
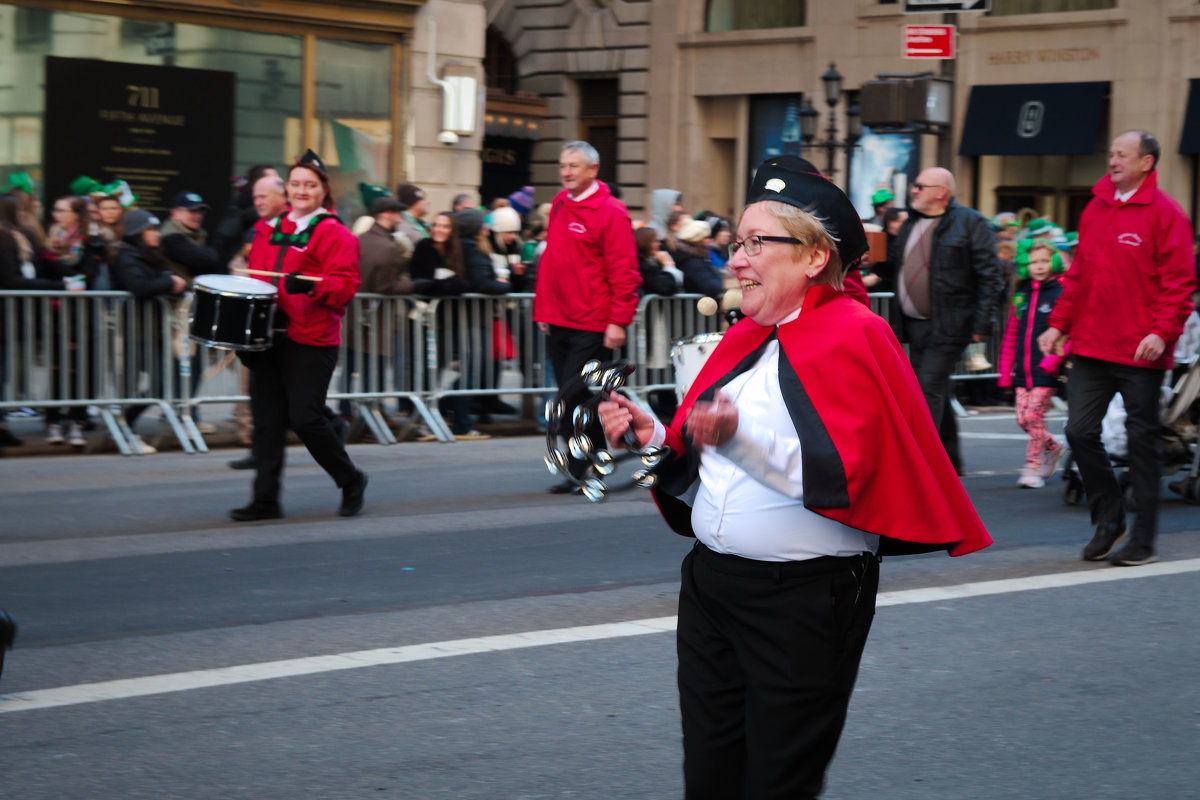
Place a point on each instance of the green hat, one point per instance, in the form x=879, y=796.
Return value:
x=22, y=181
x=372, y=192
x=83, y=186
x=119, y=191
x=1039, y=227
x=1022, y=257
x=881, y=196
x=123, y=193
x=1066, y=241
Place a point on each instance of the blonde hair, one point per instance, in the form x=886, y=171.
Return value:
x=811, y=231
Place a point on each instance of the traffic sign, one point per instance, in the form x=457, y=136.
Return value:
x=929, y=41
x=945, y=6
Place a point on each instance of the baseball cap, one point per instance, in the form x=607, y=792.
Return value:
x=189, y=200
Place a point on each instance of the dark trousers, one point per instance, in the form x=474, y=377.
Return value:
x=933, y=362
x=569, y=349
x=288, y=384
x=1091, y=385
x=768, y=655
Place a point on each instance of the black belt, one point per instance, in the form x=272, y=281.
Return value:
x=773, y=570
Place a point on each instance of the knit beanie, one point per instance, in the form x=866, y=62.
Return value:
x=522, y=200
x=470, y=221
x=506, y=220
x=138, y=220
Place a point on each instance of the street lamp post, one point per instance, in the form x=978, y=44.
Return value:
x=809, y=118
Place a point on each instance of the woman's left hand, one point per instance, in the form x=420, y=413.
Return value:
x=712, y=424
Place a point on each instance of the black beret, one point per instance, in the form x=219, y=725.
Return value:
x=795, y=181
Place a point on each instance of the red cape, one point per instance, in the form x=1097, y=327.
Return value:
x=872, y=456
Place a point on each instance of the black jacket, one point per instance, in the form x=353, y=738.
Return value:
x=965, y=283
x=238, y=220
x=699, y=275
x=481, y=276
x=655, y=279
x=133, y=273
x=425, y=261
x=187, y=252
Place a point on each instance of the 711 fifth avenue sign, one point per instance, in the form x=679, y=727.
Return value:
x=945, y=6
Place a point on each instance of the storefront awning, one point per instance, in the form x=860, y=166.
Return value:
x=1189, y=143
x=1033, y=119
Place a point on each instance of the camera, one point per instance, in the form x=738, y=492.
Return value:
x=448, y=138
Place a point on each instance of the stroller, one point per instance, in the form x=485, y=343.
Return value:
x=1178, y=434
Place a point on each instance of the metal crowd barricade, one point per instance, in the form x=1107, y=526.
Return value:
x=105, y=349
x=479, y=345
x=383, y=337
x=111, y=350
x=884, y=304
x=660, y=322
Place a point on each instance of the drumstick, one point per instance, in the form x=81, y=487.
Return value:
x=249, y=271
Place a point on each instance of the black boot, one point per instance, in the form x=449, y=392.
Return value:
x=259, y=509
x=8, y=634
x=352, y=495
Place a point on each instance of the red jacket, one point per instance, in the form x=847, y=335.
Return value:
x=1133, y=275
x=872, y=458
x=332, y=253
x=588, y=276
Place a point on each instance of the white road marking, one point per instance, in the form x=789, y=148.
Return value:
x=269, y=670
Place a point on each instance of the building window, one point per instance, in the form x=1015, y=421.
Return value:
x=266, y=69
x=137, y=30
x=1004, y=8
x=499, y=63
x=354, y=112
x=31, y=29
x=738, y=15
x=598, y=110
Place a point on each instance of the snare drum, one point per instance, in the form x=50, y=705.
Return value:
x=688, y=356
x=232, y=312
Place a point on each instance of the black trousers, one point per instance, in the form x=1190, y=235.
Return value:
x=933, y=362
x=768, y=655
x=1092, y=384
x=288, y=384
x=569, y=349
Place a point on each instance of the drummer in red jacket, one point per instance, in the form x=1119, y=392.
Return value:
x=802, y=452
x=315, y=258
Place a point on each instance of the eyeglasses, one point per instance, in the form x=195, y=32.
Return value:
x=753, y=244
x=920, y=187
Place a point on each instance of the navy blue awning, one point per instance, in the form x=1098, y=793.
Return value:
x=1189, y=142
x=1034, y=119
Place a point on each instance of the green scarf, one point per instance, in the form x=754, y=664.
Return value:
x=300, y=238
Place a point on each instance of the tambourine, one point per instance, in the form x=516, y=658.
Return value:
x=567, y=442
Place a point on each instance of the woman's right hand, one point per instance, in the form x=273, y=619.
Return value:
x=618, y=415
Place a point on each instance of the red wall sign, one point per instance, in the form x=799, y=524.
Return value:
x=929, y=41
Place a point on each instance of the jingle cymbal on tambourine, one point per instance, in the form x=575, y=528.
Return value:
x=567, y=443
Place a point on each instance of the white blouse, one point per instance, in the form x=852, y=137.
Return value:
x=749, y=497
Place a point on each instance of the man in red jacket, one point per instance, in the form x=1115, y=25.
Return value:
x=588, y=277
x=1125, y=300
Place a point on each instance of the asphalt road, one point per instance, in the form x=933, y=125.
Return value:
x=472, y=637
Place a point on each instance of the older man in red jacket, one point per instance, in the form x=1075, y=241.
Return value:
x=1125, y=301
x=588, y=277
